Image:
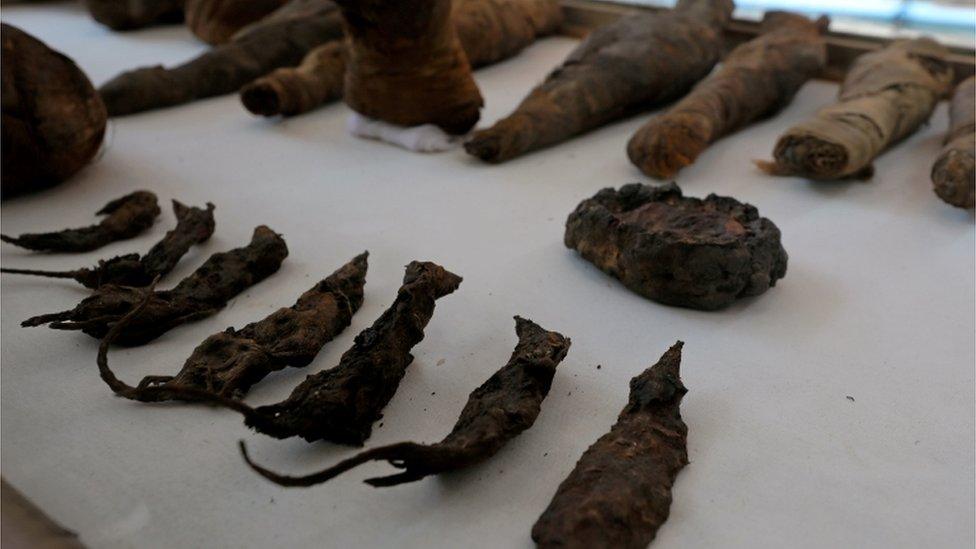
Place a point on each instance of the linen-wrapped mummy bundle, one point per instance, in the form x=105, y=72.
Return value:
x=626, y=67
x=405, y=65
x=280, y=39
x=885, y=97
x=289, y=91
x=953, y=172
x=756, y=80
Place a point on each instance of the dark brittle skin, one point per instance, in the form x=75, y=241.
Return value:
x=619, y=493
x=194, y=226
x=203, y=293
x=340, y=405
x=489, y=31
x=126, y=217
x=689, y=252
x=496, y=412
x=954, y=171
x=229, y=363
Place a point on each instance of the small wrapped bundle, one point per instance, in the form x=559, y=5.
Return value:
x=405, y=65
x=135, y=14
x=626, y=67
x=953, y=172
x=489, y=31
x=885, y=97
x=755, y=81
x=216, y=21
x=53, y=120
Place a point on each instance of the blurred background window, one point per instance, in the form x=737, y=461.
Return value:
x=953, y=22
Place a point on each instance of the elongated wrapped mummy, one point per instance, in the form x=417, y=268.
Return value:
x=489, y=31
x=755, y=81
x=626, y=67
x=134, y=14
x=216, y=21
x=885, y=97
x=953, y=172
x=280, y=39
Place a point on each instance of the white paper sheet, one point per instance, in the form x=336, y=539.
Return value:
x=877, y=305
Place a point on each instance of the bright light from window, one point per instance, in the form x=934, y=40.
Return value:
x=951, y=21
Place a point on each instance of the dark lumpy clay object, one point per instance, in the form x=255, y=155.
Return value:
x=678, y=250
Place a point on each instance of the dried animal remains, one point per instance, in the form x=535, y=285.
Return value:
x=280, y=39
x=194, y=226
x=230, y=362
x=125, y=218
x=504, y=406
x=197, y=296
x=619, y=493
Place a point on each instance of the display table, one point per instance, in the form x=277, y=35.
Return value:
x=836, y=410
